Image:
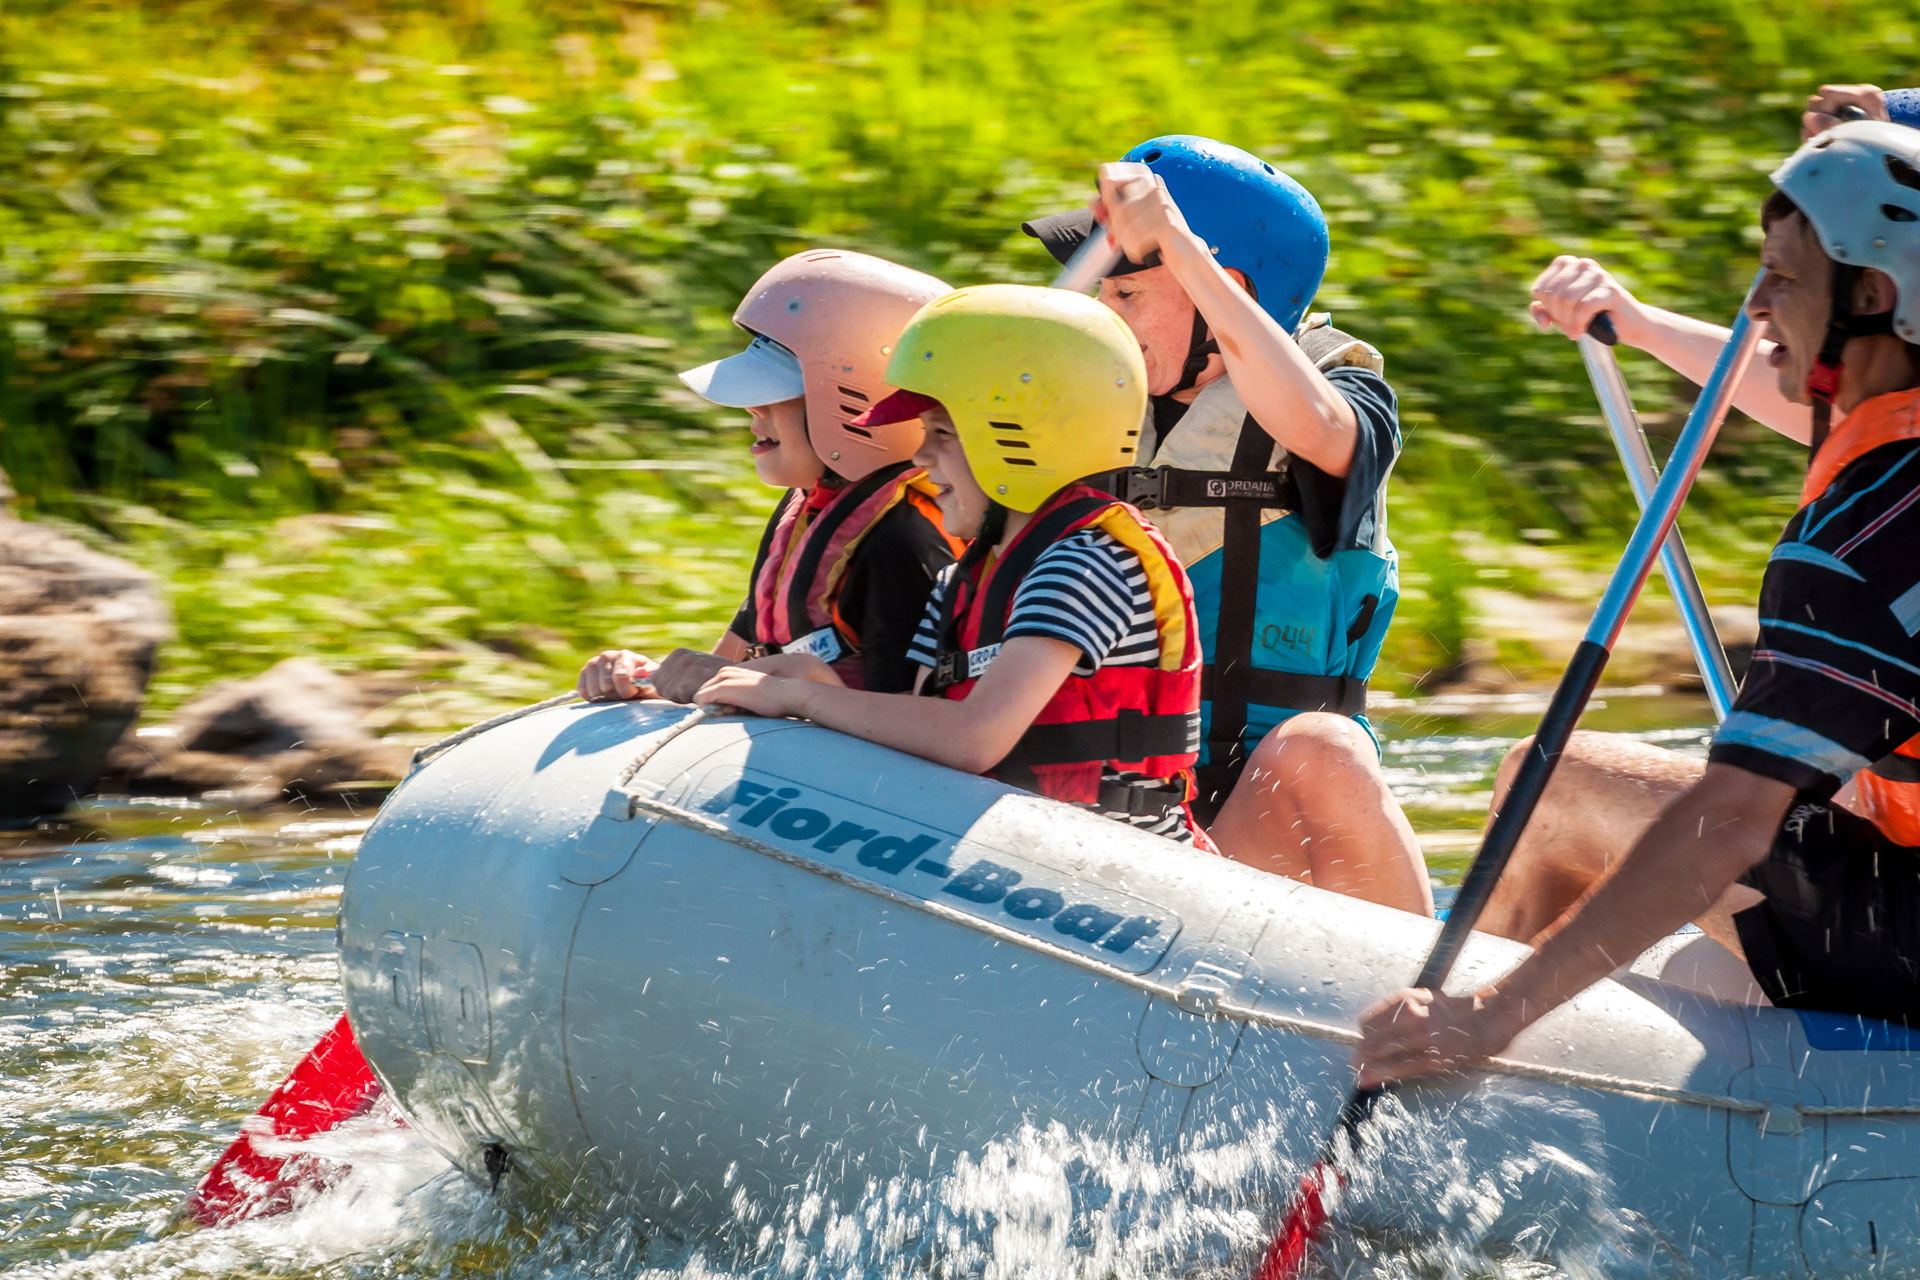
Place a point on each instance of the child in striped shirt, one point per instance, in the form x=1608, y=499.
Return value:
x=1061, y=653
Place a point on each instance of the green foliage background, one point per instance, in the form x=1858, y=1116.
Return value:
x=356, y=321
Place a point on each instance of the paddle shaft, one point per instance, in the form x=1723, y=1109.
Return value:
x=1596, y=350
x=1093, y=262
x=1550, y=740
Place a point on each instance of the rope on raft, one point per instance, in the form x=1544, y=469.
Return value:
x=1183, y=997
x=432, y=749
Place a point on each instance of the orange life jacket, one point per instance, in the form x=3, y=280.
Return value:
x=1130, y=719
x=803, y=561
x=1888, y=791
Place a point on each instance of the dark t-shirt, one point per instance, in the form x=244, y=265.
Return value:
x=883, y=594
x=1345, y=514
x=1835, y=681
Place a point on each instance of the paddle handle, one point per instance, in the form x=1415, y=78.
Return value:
x=1630, y=441
x=1093, y=262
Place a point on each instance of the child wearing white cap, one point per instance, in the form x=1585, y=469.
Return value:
x=852, y=549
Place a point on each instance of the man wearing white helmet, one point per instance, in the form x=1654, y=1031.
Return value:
x=1822, y=903
x=1608, y=786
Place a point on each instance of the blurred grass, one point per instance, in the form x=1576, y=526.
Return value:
x=337, y=314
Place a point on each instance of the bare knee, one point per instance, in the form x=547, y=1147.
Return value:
x=1313, y=744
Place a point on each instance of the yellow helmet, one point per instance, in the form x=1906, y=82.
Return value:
x=1044, y=386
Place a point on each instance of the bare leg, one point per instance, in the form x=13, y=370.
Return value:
x=1313, y=804
x=1605, y=793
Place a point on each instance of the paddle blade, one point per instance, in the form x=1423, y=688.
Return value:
x=1292, y=1243
x=333, y=1083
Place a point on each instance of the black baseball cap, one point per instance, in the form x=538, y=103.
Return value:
x=1062, y=233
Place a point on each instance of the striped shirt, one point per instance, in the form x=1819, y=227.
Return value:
x=1087, y=590
x=1835, y=680
x=1090, y=591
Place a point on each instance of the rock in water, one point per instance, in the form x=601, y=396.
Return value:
x=78, y=632
x=294, y=729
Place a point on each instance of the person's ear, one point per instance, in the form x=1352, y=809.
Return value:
x=1874, y=293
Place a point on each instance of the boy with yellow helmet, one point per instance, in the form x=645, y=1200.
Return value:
x=851, y=551
x=1061, y=653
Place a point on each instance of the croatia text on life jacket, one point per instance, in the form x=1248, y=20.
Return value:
x=1888, y=791
x=1129, y=719
x=1284, y=630
x=804, y=555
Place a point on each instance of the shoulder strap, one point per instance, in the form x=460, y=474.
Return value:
x=1239, y=592
x=756, y=596
x=1004, y=579
x=820, y=536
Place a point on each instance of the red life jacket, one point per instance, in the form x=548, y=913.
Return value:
x=804, y=555
x=1132, y=719
x=1888, y=791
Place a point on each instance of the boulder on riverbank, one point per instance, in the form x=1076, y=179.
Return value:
x=78, y=634
x=294, y=731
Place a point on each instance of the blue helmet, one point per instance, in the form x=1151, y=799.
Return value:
x=1903, y=106
x=1254, y=218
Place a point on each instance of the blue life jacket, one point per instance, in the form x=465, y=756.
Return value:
x=1283, y=630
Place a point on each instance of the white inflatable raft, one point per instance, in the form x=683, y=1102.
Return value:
x=632, y=961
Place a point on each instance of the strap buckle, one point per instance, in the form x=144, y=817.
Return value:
x=1142, y=797
x=1145, y=487
x=949, y=668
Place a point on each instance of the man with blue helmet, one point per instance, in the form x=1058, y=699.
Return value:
x=1270, y=441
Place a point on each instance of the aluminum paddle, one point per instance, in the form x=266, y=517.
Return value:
x=1306, y=1215
x=1596, y=349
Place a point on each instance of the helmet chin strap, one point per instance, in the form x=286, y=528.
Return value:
x=1200, y=348
x=1823, y=380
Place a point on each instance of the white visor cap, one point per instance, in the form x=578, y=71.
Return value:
x=765, y=373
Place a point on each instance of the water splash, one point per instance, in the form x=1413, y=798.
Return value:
x=161, y=969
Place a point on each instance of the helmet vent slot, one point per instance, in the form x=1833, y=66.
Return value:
x=1013, y=444
x=1020, y=462
x=1903, y=173
x=1152, y=155
x=852, y=430
x=851, y=394
x=1005, y=426
x=1894, y=213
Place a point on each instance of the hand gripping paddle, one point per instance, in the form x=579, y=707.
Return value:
x=1306, y=1216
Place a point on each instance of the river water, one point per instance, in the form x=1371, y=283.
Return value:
x=163, y=963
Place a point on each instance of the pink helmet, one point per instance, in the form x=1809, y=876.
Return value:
x=839, y=313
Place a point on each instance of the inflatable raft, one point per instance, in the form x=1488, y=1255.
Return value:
x=641, y=959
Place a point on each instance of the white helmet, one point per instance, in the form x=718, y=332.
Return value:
x=1859, y=186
